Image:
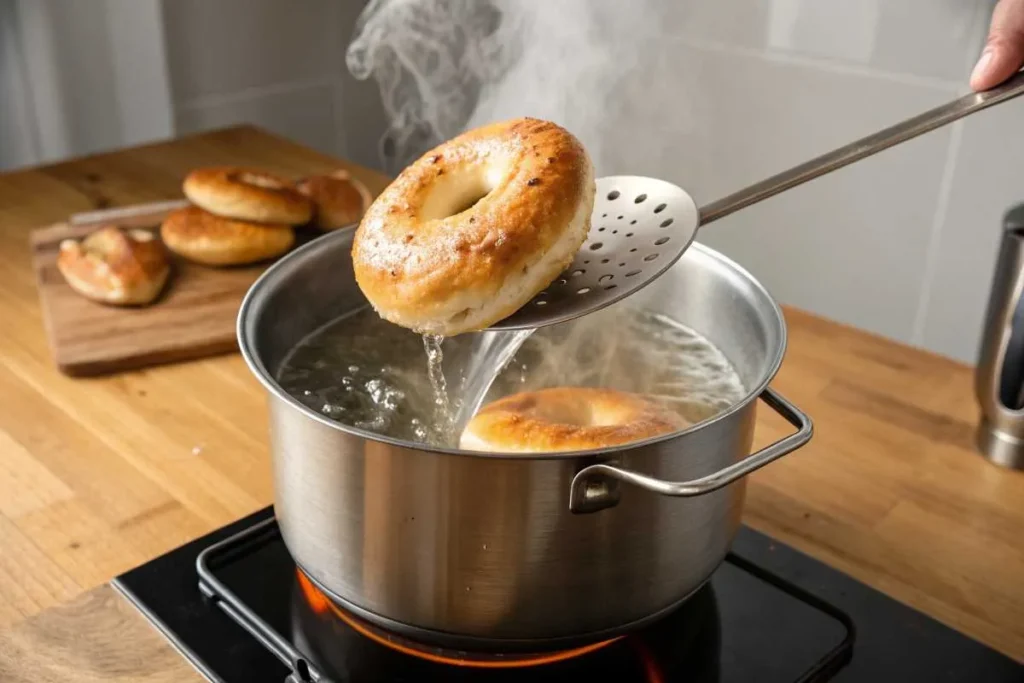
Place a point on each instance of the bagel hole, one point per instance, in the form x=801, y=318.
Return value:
x=456, y=192
x=259, y=180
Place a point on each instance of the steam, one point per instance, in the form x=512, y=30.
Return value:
x=444, y=66
x=599, y=69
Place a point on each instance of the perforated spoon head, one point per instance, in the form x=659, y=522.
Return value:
x=639, y=228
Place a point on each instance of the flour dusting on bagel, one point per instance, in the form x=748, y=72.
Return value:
x=567, y=419
x=475, y=228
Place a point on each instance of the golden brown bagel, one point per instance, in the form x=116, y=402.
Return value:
x=339, y=200
x=115, y=267
x=202, y=237
x=566, y=419
x=247, y=195
x=475, y=228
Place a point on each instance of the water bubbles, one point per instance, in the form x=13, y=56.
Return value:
x=375, y=376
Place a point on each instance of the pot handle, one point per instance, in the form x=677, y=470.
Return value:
x=592, y=488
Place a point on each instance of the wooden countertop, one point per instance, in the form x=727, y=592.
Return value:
x=100, y=475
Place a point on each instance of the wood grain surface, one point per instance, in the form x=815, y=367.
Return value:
x=99, y=475
x=194, y=316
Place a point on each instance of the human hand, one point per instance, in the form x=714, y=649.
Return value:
x=1004, y=50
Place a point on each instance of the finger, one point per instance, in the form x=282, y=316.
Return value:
x=1004, y=50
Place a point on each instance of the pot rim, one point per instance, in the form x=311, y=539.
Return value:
x=257, y=368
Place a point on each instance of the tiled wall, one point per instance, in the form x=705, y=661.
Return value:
x=280, y=65
x=721, y=95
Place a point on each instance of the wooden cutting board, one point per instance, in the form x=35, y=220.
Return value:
x=193, y=318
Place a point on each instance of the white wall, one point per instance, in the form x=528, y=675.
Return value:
x=80, y=77
x=902, y=244
x=280, y=65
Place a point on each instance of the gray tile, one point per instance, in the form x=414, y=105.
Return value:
x=928, y=38
x=230, y=45
x=850, y=246
x=305, y=116
x=361, y=121
x=986, y=182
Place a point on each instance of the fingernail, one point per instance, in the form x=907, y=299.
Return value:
x=982, y=65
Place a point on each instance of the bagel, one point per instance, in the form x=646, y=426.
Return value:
x=475, y=228
x=566, y=419
x=247, y=195
x=339, y=200
x=115, y=267
x=212, y=240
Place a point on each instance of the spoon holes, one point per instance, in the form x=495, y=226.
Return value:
x=650, y=257
x=667, y=222
x=605, y=278
x=613, y=195
x=659, y=208
x=632, y=273
x=640, y=199
x=596, y=245
x=583, y=290
x=660, y=241
x=610, y=287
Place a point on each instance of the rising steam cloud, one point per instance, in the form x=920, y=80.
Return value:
x=593, y=66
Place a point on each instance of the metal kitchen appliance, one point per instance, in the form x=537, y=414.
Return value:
x=999, y=375
x=234, y=604
x=512, y=551
x=641, y=226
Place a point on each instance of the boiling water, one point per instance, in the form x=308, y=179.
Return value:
x=373, y=375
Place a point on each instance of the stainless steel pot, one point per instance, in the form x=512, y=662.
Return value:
x=480, y=550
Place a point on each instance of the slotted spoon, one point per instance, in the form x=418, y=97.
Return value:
x=641, y=226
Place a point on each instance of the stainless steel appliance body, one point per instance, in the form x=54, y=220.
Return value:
x=513, y=551
x=999, y=375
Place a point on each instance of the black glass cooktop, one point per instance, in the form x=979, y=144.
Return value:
x=769, y=614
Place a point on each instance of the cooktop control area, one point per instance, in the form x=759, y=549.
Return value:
x=235, y=604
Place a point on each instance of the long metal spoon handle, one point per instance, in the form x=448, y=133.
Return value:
x=865, y=147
